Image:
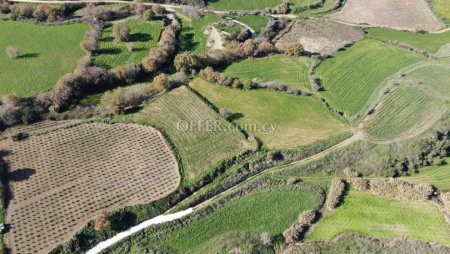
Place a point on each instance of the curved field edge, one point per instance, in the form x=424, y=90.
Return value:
x=188, y=122
x=377, y=217
x=288, y=121
x=354, y=77
x=438, y=176
x=46, y=53
x=406, y=111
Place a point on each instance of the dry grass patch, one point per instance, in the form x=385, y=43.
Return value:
x=398, y=14
x=60, y=180
x=321, y=36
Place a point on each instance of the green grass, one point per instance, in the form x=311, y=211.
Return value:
x=229, y=5
x=429, y=42
x=192, y=37
x=144, y=35
x=269, y=211
x=442, y=9
x=299, y=120
x=199, y=148
x=47, y=52
x=438, y=176
x=353, y=76
x=257, y=23
x=288, y=70
x=408, y=110
x=374, y=216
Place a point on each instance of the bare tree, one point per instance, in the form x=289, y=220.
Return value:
x=121, y=32
x=266, y=239
x=12, y=52
x=148, y=15
x=225, y=113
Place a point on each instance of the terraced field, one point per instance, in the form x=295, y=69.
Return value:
x=399, y=14
x=267, y=211
x=242, y=4
x=321, y=36
x=201, y=147
x=290, y=71
x=144, y=35
x=353, y=76
x=374, y=216
x=298, y=120
x=192, y=37
x=429, y=42
x=61, y=179
x=47, y=52
x=407, y=111
x=438, y=176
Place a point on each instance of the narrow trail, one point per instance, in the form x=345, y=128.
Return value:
x=242, y=24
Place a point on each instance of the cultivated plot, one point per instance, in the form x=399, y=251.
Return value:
x=46, y=53
x=299, y=120
x=398, y=14
x=321, y=36
x=438, y=176
x=60, y=180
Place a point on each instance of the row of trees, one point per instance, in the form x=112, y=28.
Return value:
x=337, y=188
x=296, y=231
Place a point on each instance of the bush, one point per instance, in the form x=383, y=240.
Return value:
x=397, y=189
x=12, y=99
x=266, y=239
x=292, y=49
x=12, y=52
x=359, y=184
x=121, y=32
x=161, y=82
x=296, y=231
x=335, y=192
x=186, y=61
x=148, y=15
x=225, y=113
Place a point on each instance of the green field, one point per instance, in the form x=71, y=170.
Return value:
x=374, y=216
x=408, y=110
x=192, y=37
x=144, y=35
x=442, y=9
x=257, y=23
x=438, y=176
x=353, y=76
x=229, y=5
x=288, y=70
x=429, y=42
x=199, y=148
x=268, y=211
x=47, y=52
x=299, y=120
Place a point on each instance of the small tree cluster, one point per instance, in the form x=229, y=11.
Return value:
x=91, y=41
x=397, y=189
x=219, y=78
x=277, y=86
x=45, y=12
x=139, y=7
x=101, y=221
x=273, y=28
x=5, y=7
x=335, y=192
x=127, y=74
x=186, y=61
x=296, y=231
x=283, y=8
x=15, y=110
x=119, y=99
x=292, y=49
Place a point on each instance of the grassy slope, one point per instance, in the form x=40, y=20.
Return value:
x=438, y=176
x=199, y=150
x=144, y=34
x=429, y=42
x=405, y=111
x=192, y=37
x=288, y=70
x=269, y=211
x=300, y=120
x=48, y=52
x=258, y=23
x=377, y=217
x=352, y=76
x=442, y=9
x=227, y=5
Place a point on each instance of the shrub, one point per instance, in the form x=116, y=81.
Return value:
x=292, y=49
x=130, y=46
x=298, y=229
x=121, y=32
x=335, y=192
x=445, y=199
x=12, y=52
x=186, y=61
x=398, y=189
x=161, y=82
x=138, y=7
x=225, y=113
x=158, y=9
x=359, y=184
x=148, y=15
x=101, y=221
x=9, y=115
x=12, y=99
x=177, y=79
x=266, y=239
x=127, y=74
x=90, y=44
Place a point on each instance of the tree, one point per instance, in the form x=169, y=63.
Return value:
x=130, y=46
x=12, y=99
x=158, y=9
x=161, y=82
x=148, y=14
x=293, y=49
x=12, y=52
x=139, y=7
x=101, y=221
x=115, y=100
x=90, y=44
x=225, y=113
x=121, y=32
x=266, y=239
x=186, y=61
x=40, y=13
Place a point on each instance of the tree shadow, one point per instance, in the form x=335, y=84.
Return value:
x=28, y=55
x=20, y=175
x=140, y=37
x=110, y=51
x=187, y=42
x=107, y=39
x=235, y=116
